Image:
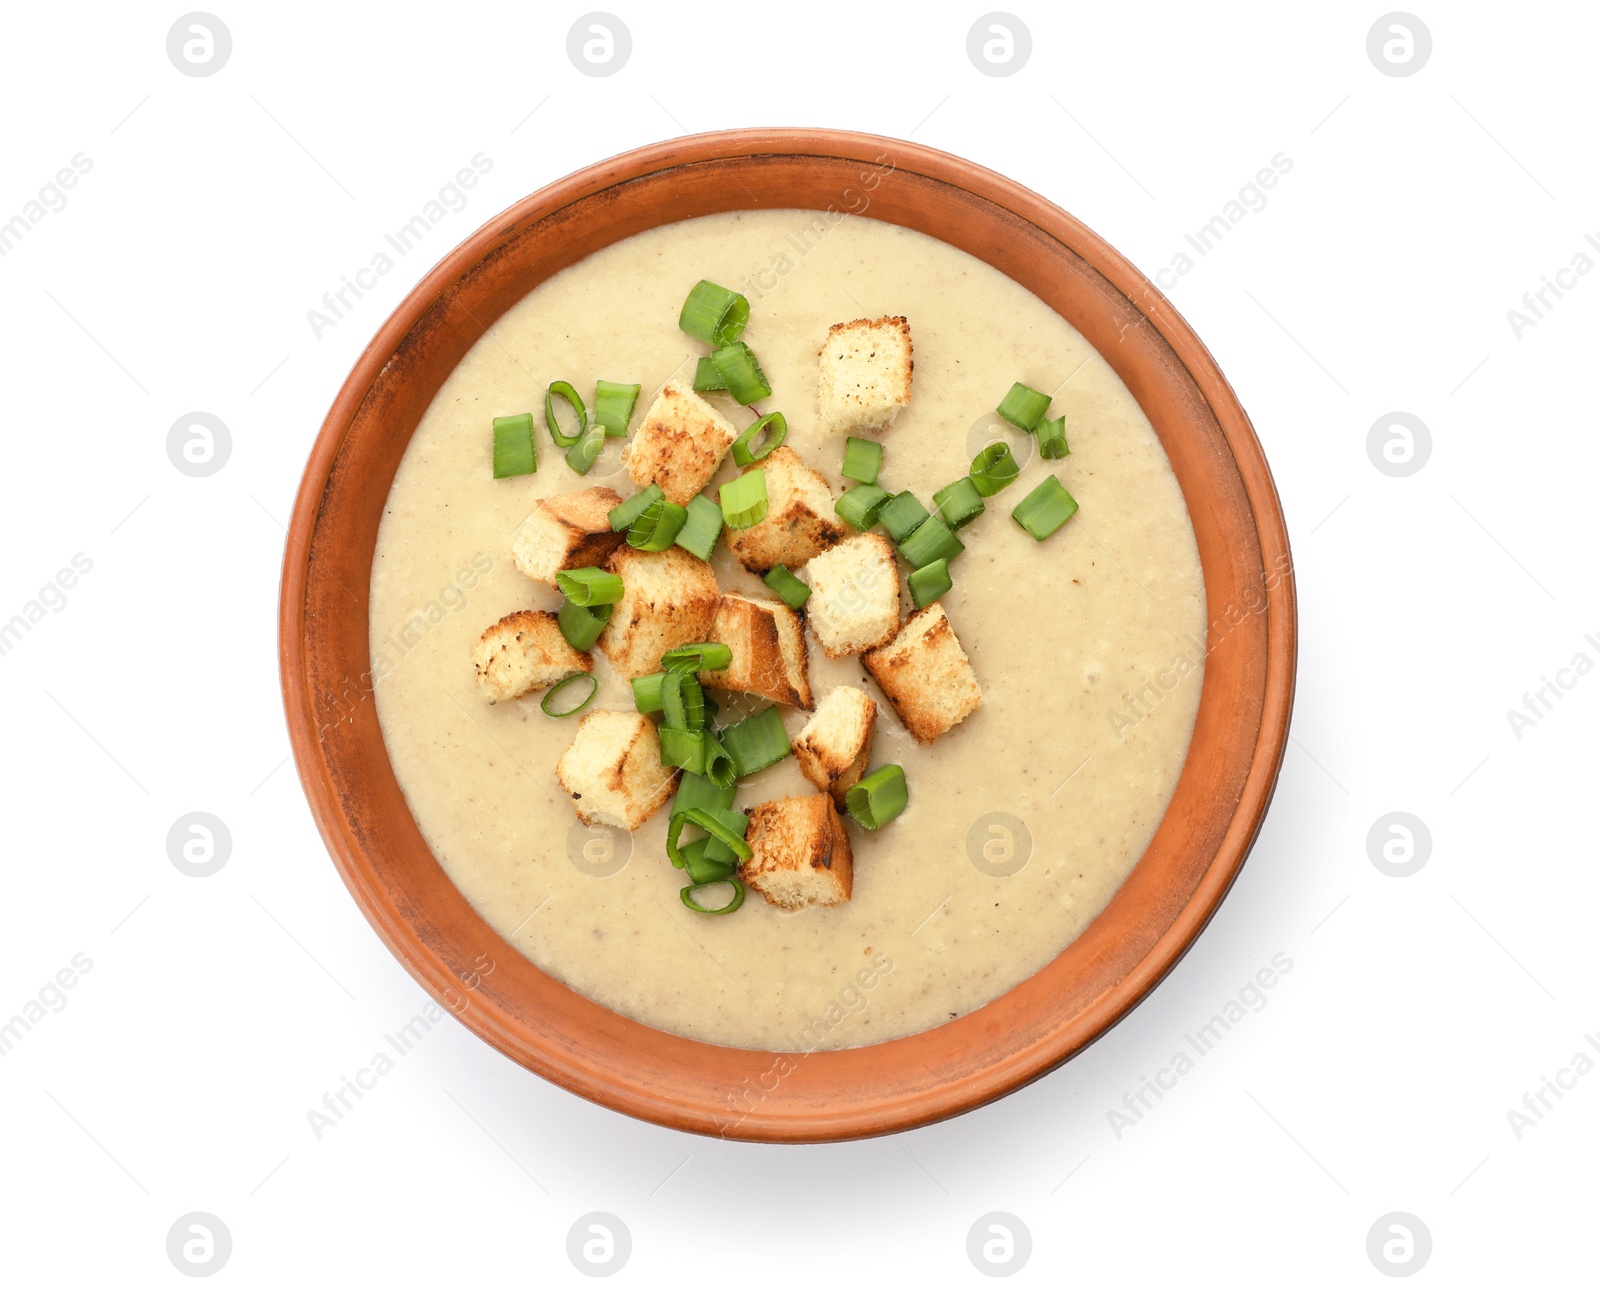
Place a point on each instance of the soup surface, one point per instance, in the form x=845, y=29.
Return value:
x=1023, y=820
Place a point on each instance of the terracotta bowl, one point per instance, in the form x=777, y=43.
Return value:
x=1202, y=841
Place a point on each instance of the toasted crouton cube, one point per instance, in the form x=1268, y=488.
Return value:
x=769, y=650
x=669, y=598
x=855, y=595
x=572, y=531
x=800, y=853
x=613, y=771
x=926, y=675
x=865, y=376
x=525, y=652
x=680, y=444
x=800, y=520
x=833, y=747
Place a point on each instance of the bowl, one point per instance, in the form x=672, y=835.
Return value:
x=1198, y=849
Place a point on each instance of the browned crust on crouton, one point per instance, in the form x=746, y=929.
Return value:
x=669, y=599
x=789, y=834
x=827, y=767
x=586, y=515
x=895, y=668
x=751, y=629
x=791, y=532
x=613, y=775
x=527, y=631
x=680, y=457
x=899, y=323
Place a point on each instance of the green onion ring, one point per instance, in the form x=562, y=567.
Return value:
x=734, y=904
x=714, y=314
x=623, y=515
x=589, y=586
x=657, y=526
x=594, y=685
x=878, y=798
x=699, y=656
x=514, y=451
x=746, y=455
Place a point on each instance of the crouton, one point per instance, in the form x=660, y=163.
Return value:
x=855, y=595
x=800, y=520
x=800, y=853
x=680, y=444
x=613, y=770
x=833, y=747
x=926, y=675
x=769, y=650
x=572, y=531
x=525, y=652
x=865, y=374
x=669, y=598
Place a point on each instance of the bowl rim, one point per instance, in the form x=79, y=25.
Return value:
x=593, y=1078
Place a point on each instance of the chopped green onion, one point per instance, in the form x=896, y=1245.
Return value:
x=647, y=692
x=697, y=791
x=575, y=709
x=514, y=453
x=657, y=526
x=727, y=827
x=862, y=458
x=699, y=533
x=860, y=504
x=698, y=656
x=706, y=376
x=582, y=455
x=759, y=439
x=623, y=515
x=679, y=748
x=582, y=624
x=1023, y=407
x=701, y=867
x=741, y=374
x=929, y=583
x=932, y=541
x=744, y=500
x=711, y=709
x=714, y=314
x=565, y=390
x=683, y=703
x=719, y=851
x=734, y=902
x=757, y=742
x=993, y=469
x=900, y=515
x=789, y=588
x=719, y=767
x=1046, y=509
x=877, y=799
x=1053, y=439
x=613, y=406
x=589, y=586
x=959, y=503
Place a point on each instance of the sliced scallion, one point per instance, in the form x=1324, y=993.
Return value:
x=683, y=703
x=719, y=767
x=727, y=827
x=759, y=439
x=647, y=692
x=564, y=390
x=697, y=791
x=706, y=376
x=623, y=516
x=862, y=458
x=741, y=373
x=929, y=583
x=714, y=314
x=1046, y=509
x=744, y=500
x=789, y=588
x=698, y=656
x=613, y=406
x=573, y=709
x=900, y=515
x=959, y=503
x=514, y=453
x=859, y=505
x=1023, y=406
x=589, y=586
x=933, y=540
x=690, y=898
x=877, y=799
x=757, y=742
x=679, y=748
x=582, y=455
x=701, y=867
x=657, y=526
x=993, y=469
x=719, y=851
x=699, y=533
x=1053, y=439
x=581, y=625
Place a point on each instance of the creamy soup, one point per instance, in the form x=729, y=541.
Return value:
x=1023, y=820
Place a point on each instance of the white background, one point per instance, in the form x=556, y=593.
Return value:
x=1419, y=1010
